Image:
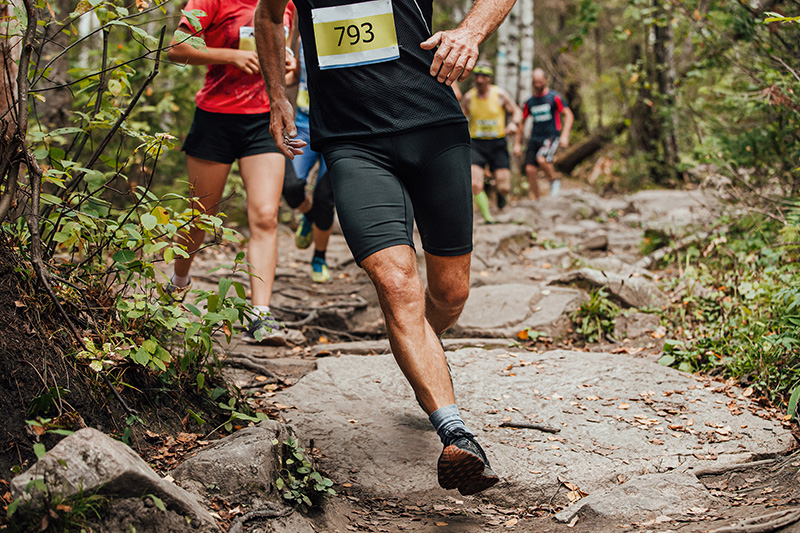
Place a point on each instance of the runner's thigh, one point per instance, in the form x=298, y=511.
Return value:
x=374, y=208
x=438, y=179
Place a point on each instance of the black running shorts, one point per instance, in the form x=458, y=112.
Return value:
x=381, y=185
x=492, y=152
x=545, y=148
x=224, y=137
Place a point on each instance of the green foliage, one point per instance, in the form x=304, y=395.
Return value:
x=745, y=324
x=109, y=221
x=301, y=485
x=595, y=317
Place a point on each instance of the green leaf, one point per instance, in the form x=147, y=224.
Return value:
x=65, y=131
x=169, y=255
x=157, y=501
x=149, y=221
x=279, y=483
x=793, y=401
x=124, y=256
x=666, y=360
x=39, y=450
x=224, y=286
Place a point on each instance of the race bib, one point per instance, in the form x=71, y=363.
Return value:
x=247, y=39
x=486, y=129
x=355, y=34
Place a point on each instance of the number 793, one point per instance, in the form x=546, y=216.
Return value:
x=355, y=34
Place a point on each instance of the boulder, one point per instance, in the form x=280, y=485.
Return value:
x=633, y=290
x=90, y=461
x=241, y=468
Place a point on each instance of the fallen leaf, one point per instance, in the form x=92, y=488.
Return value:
x=623, y=406
x=323, y=340
x=512, y=522
x=748, y=392
x=261, y=378
x=353, y=421
x=441, y=524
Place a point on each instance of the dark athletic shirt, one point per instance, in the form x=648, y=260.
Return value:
x=382, y=98
x=546, y=112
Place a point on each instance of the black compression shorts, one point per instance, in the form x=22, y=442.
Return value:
x=382, y=184
x=492, y=152
x=224, y=137
x=545, y=148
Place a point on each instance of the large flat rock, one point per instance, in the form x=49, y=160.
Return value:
x=619, y=419
x=503, y=310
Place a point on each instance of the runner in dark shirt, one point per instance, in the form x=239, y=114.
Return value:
x=552, y=125
x=397, y=148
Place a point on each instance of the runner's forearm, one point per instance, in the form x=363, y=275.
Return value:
x=486, y=16
x=270, y=43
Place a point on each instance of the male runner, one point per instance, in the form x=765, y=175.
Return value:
x=487, y=106
x=548, y=109
x=397, y=148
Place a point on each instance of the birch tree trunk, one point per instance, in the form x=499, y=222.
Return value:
x=503, y=50
x=526, y=51
x=512, y=74
x=10, y=40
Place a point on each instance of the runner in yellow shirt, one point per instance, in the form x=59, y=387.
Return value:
x=487, y=107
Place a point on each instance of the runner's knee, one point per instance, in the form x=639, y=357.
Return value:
x=449, y=294
x=399, y=287
x=263, y=217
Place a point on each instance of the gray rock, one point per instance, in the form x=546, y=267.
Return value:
x=670, y=494
x=594, y=243
x=90, y=461
x=633, y=325
x=632, y=290
x=382, y=346
x=240, y=468
x=619, y=418
x=504, y=310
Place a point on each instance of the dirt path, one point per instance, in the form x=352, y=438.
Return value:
x=638, y=446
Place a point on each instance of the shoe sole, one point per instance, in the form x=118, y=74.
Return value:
x=462, y=470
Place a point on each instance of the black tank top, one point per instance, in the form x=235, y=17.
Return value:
x=382, y=98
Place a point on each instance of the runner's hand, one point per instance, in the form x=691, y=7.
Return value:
x=517, y=150
x=456, y=56
x=282, y=128
x=563, y=142
x=245, y=60
x=511, y=128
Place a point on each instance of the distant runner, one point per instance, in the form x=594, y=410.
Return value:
x=552, y=125
x=396, y=143
x=487, y=106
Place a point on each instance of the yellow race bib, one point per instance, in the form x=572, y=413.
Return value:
x=355, y=34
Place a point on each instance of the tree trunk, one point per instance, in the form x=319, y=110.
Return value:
x=10, y=39
x=512, y=73
x=503, y=51
x=527, y=47
x=664, y=52
x=54, y=111
x=575, y=155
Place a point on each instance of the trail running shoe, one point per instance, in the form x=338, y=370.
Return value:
x=502, y=201
x=174, y=292
x=555, y=187
x=463, y=466
x=265, y=329
x=303, y=236
x=319, y=271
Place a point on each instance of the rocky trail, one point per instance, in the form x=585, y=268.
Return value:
x=595, y=438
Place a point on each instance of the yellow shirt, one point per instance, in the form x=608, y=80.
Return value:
x=487, y=117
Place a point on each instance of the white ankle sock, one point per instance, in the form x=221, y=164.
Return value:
x=180, y=281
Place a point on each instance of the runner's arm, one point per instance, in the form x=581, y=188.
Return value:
x=271, y=45
x=569, y=118
x=186, y=54
x=458, y=48
x=520, y=133
x=512, y=109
